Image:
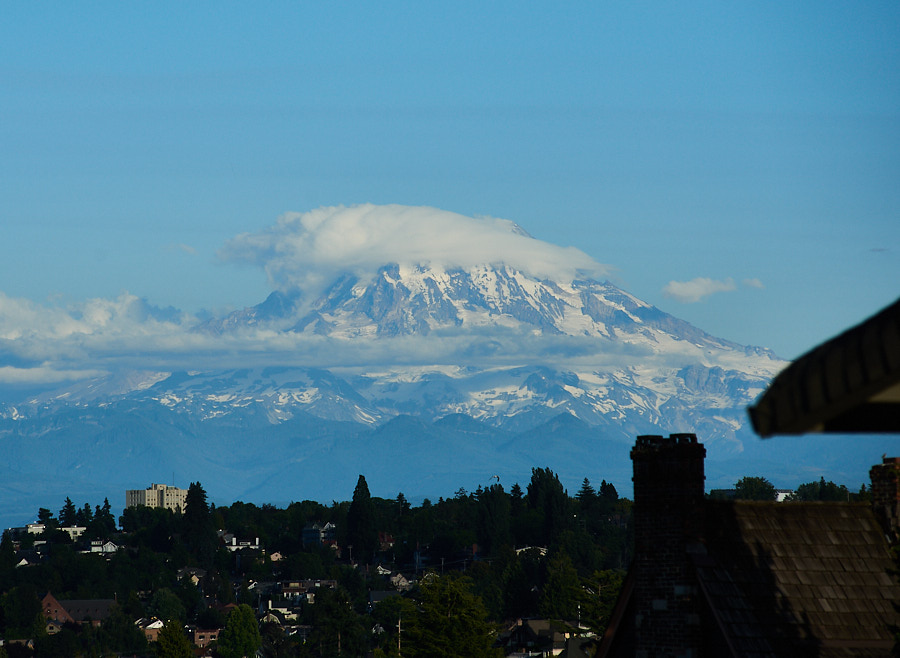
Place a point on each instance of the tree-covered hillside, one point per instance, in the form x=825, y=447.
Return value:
x=368, y=574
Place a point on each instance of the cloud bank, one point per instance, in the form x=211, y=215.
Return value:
x=695, y=290
x=53, y=344
x=306, y=251
x=50, y=346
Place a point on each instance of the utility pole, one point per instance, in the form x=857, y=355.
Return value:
x=399, y=631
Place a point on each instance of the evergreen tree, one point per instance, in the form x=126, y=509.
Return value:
x=494, y=519
x=586, y=495
x=7, y=555
x=241, y=634
x=403, y=505
x=121, y=633
x=84, y=516
x=337, y=630
x=362, y=529
x=450, y=622
x=167, y=606
x=864, y=495
x=395, y=616
x=104, y=523
x=822, y=490
x=608, y=491
x=196, y=521
x=21, y=611
x=68, y=514
x=518, y=581
x=588, y=507
x=562, y=590
x=45, y=516
x=172, y=642
x=598, y=607
x=548, y=498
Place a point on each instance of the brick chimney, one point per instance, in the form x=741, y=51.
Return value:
x=886, y=494
x=668, y=513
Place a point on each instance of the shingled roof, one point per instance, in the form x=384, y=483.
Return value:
x=755, y=579
x=798, y=579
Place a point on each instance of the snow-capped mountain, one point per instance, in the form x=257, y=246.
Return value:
x=417, y=300
x=513, y=354
x=480, y=371
x=503, y=347
x=529, y=349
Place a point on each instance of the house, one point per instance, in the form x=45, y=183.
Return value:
x=194, y=574
x=150, y=628
x=401, y=583
x=104, y=547
x=79, y=611
x=74, y=531
x=536, y=637
x=278, y=614
x=31, y=529
x=782, y=495
x=53, y=627
x=739, y=578
x=299, y=591
x=202, y=637
x=232, y=543
x=316, y=534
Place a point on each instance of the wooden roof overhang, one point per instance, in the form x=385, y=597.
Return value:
x=849, y=384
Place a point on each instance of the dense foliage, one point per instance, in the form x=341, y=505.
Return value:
x=491, y=555
x=754, y=488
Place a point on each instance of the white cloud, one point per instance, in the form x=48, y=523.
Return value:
x=52, y=343
x=753, y=283
x=308, y=250
x=182, y=247
x=689, y=292
x=61, y=343
x=127, y=314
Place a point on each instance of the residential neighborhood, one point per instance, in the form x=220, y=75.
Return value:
x=538, y=572
x=535, y=568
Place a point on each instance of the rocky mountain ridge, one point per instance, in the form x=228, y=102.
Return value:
x=467, y=374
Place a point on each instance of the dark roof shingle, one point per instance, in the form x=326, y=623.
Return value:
x=799, y=578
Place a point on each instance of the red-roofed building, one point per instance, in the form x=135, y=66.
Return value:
x=79, y=611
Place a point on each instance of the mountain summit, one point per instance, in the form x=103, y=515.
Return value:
x=498, y=362
x=513, y=350
x=481, y=300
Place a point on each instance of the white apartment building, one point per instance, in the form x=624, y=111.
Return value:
x=157, y=495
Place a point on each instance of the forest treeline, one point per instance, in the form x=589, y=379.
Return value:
x=506, y=554
x=499, y=555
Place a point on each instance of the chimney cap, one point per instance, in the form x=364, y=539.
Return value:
x=655, y=440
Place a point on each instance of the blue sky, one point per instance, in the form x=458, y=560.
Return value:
x=736, y=164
